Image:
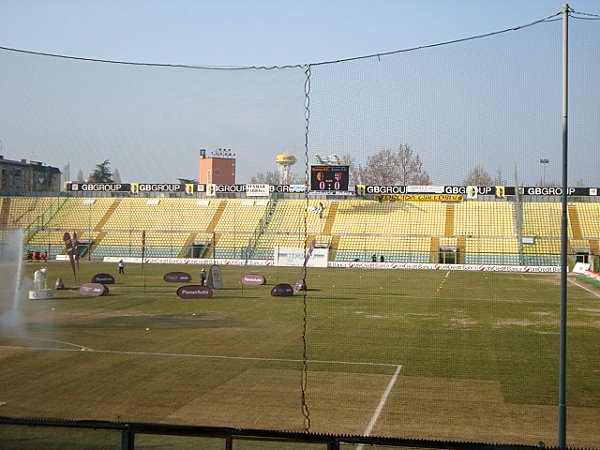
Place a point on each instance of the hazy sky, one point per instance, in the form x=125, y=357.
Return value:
x=256, y=32
x=151, y=123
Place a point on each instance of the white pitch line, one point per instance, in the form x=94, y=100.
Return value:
x=59, y=342
x=193, y=355
x=380, y=406
x=585, y=288
x=244, y=358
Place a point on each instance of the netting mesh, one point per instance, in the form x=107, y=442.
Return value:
x=584, y=109
x=493, y=102
x=434, y=354
x=148, y=121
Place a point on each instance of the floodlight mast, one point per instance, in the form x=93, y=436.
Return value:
x=562, y=371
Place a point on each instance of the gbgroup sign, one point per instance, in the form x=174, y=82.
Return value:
x=134, y=188
x=98, y=187
x=329, y=184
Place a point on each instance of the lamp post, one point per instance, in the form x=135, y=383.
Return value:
x=543, y=162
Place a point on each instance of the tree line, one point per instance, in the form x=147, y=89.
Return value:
x=400, y=167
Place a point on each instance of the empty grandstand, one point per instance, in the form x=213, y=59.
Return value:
x=487, y=230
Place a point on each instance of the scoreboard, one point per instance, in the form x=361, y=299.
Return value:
x=329, y=178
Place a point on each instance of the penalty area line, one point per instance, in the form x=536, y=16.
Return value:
x=82, y=347
x=244, y=358
x=193, y=355
x=380, y=405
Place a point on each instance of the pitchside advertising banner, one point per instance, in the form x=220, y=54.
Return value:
x=419, y=197
x=472, y=192
x=296, y=257
x=252, y=190
x=134, y=188
x=257, y=190
x=445, y=267
x=416, y=193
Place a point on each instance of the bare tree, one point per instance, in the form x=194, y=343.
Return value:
x=499, y=180
x=411, y=167
x=478, y=176
x=117, y=176
x=269, y=177
x=274, y=177
x=389, y=167
x=80, y=178
x=382, y=169
x=547, y=183
x=354, y=170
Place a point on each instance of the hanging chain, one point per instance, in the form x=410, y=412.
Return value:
x=304, y=381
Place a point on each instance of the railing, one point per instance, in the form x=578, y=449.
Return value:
x=262, y=225
x=129, y=431
x=42, y=221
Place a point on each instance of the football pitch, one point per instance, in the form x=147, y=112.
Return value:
x=416, y=354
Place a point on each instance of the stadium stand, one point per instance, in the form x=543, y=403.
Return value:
x=489, y=232
x=80, y=214
x=21, y=212
x=165, y=214
x=491, y=251
x=589, y=219
x=471, y=232
x=392, y=248
x=542, y=219
x=541, y=222
x=237, y=223
x=285, y=225
x=360, y=216
x=477, y=218
x=399, y=231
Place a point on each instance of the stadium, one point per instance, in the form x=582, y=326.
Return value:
x=380, y=299
x=445, y=250
x=515, y=229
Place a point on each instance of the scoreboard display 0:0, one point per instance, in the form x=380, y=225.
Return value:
x=329, y=178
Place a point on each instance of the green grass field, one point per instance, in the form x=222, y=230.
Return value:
x=428, y=354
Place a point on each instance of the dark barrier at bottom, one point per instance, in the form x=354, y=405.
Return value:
x=129, y=430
